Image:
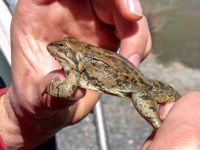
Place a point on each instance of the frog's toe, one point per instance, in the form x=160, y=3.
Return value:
x=52, y=89
x=156, y=122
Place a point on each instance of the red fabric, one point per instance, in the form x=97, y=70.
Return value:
x=3, y=90
x=2, y=145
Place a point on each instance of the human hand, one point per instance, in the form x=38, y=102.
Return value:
x=37, y=22
x=180, y=129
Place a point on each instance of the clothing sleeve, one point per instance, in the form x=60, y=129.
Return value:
x=2, y=145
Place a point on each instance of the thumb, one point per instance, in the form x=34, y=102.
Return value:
x=136, y=41
x=55, y=102
x=132, y=29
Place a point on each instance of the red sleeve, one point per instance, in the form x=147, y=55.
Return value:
x=3, y=90
x=2, y=145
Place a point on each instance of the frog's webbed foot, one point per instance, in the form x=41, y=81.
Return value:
x=65, y=88
x=147, y=108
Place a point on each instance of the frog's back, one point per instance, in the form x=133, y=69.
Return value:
x=107, y=71
x=92, y=52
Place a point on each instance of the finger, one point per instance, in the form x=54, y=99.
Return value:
x=54, y=102
x=163, y=111
x=85, y=105
x=129, y=9
x=149, y=140
x=149, y=44
x=135, y=41
x=135, y=36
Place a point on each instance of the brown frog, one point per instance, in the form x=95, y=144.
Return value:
x=95, y=68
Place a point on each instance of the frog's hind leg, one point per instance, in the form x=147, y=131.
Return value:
x=146, y=106
x=65, y=88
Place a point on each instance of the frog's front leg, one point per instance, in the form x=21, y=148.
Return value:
x=147, y=108
x=64, y=88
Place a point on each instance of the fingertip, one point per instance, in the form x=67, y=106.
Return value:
x=135, y=59
x=130, y=9
x=78, y=94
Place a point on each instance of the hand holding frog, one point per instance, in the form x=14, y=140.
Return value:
x=35, y=23
x=180, y=129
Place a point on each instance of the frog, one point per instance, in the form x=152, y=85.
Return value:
x=94, y=68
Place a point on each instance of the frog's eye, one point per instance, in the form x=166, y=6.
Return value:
x=61, y=44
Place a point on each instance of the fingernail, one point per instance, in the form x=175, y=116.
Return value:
x=135, y=59
x=164, y=110
x=135, y=7
x=162, y=113
x=79, y=93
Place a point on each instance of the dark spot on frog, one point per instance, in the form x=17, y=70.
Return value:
x=141, y=80
x=152, y=108
x=149, y=88
x=145, y=97
x=74, y=87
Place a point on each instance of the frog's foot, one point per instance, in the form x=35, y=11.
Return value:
x=165, y=93
x=147, y=108
x=65, y=88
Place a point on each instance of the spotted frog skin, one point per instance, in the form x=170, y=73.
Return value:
x=98, y=69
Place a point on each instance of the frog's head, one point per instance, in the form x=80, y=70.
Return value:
x=64, y=47
x=65, y=53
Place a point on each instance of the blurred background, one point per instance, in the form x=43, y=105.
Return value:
x=175, y=30
x=175, y=59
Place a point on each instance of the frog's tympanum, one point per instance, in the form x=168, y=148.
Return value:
x=95, y=68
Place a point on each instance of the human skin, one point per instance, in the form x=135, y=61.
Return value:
x=29, y=116
x=181, y=127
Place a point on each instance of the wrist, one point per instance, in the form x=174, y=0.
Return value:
x=9, y=130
